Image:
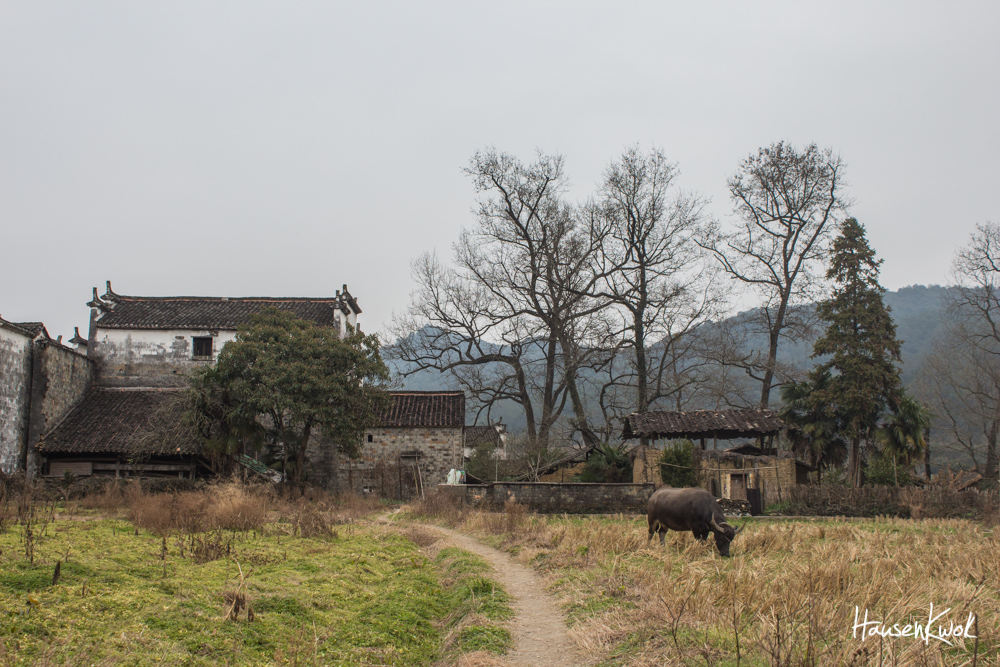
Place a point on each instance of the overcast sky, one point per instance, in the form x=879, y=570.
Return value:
x=285, y=148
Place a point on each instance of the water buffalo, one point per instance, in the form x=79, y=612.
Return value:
x=689, y=509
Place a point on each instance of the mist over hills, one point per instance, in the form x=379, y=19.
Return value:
x=916, y=309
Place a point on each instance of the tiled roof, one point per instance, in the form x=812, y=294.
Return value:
x=426, y=408
x=34, y=328
x=16, y=328
x=483, y=435
x=125, y=421
x=702, y=424
x=194, y=312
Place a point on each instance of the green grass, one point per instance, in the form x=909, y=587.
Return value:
x=367, y=596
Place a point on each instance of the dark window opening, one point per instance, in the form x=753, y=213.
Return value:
x=370, y=437
x=202, y=347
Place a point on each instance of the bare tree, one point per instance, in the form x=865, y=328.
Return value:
x=961, y=384
x=655, y=281
x=536, y=256
x=966, y=366
x=516, y=318
x=456, y=326
x=787, y=202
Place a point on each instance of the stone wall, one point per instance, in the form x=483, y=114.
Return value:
x=15, y=396
x=60, y=379
x=440, y=450
x=556, y=498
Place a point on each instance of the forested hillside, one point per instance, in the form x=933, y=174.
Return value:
x=917, y=310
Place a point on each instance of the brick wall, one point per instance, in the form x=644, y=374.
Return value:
x=15, y=394
x=557, y=498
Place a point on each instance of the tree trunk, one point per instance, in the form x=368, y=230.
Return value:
x=641, y=379
x=529, y=409
x=991, y=472
x=300, y=454
x=548, y=392
x=772, y=349
x=927, y=454
x=855, y=466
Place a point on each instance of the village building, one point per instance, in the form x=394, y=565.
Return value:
x=42, y=381
x=154, y=341
x=126, y=420
x=755, y=468
x=419, y=440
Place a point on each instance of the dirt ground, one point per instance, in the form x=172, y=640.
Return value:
x=539, y=626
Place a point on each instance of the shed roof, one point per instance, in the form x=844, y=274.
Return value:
x=723, y=424
x=112, y=420
x=426, y=408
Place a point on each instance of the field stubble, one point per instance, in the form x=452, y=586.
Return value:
x=787, y=597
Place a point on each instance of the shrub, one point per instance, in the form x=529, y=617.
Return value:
x=677, y=465
x=607, y=464
x=884, y=471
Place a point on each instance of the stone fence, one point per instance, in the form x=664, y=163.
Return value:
x=573, y=497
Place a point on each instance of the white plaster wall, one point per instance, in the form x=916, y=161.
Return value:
x=15, y=392
x=140, y=357
x=144, y=345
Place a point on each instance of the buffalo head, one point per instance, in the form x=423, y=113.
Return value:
x=724, y=534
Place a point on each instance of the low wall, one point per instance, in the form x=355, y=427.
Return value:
x=574, y=497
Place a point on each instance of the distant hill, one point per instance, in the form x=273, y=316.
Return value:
x=917, y=311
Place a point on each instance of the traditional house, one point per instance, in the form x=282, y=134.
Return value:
x=142, y=349
x=143, y=341
x=728, y=473
x=42, y=380
x=419, y=440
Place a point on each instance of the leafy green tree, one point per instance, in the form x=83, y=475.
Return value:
x=860, y=341
x=677, y=465
x=817, y=434
x=286, y=378
x=902, y=433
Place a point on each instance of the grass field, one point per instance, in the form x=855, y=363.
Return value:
x=357, y=593
x=786, y=597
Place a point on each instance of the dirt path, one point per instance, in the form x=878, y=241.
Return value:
x=539, y=626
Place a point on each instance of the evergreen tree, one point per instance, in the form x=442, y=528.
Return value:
x=860, y=341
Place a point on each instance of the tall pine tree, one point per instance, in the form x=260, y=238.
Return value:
x=860, y=340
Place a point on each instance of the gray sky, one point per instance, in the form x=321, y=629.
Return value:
x=284, y=148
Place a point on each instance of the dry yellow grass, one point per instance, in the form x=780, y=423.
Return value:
x=787, y=597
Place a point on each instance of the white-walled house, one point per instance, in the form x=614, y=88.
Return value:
x=155, y=341
x=129, y=422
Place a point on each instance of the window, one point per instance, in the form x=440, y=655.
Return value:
x=369, y=437
x=202, y=347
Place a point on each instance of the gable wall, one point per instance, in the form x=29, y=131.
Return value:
x=15, y=395
x=60, y=379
